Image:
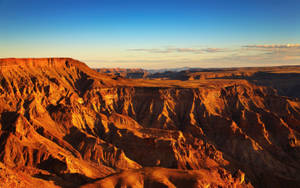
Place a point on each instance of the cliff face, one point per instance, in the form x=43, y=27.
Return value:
x=63, y=124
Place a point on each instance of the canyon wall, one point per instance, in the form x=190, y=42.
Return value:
x=63, y=124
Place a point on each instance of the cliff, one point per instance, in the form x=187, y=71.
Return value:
x=63, y=124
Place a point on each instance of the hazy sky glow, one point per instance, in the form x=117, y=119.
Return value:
x=153, y=34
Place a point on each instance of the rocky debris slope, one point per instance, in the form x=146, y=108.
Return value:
x=63, y=124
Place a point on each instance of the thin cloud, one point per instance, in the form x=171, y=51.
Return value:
x=274, y=46
x=153, y=50
x=179, y=50
x=213, y=50
x=275, y=54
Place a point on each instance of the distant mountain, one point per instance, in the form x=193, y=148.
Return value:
x=152, y=71
x=126, y=73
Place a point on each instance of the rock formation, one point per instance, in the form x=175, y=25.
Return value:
x=66, y=125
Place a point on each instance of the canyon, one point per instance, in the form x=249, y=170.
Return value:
x=63, y=124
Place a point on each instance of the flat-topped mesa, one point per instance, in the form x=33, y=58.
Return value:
x=39, y=62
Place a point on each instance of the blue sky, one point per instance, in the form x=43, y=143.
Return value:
x=153, y=34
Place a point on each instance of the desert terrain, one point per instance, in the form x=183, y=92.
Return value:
x=63, y=124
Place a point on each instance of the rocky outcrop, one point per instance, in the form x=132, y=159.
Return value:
x=68, y=125
x=161, y=177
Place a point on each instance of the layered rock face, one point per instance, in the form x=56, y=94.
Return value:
x=65, y=125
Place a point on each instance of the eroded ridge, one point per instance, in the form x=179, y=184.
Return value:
x=65, y=125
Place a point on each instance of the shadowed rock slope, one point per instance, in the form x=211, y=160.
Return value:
x=65, y=125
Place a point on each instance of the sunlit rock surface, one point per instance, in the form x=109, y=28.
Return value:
x=66, y=125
